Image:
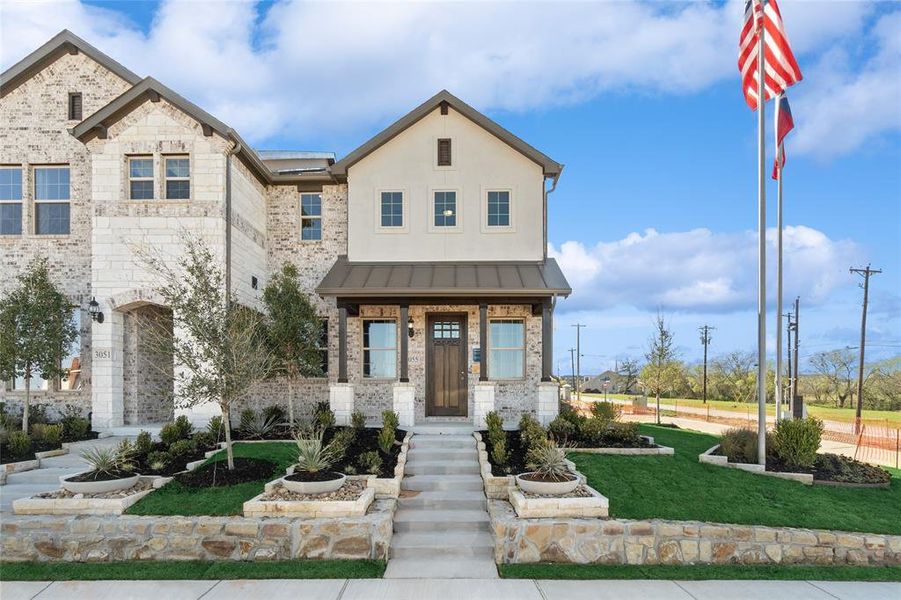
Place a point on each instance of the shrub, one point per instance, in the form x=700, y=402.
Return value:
x=342, y=440
x=53, y=434
x=259, y=427
x=143, y=444
x=18, y=443
x=37, y=432
x=275, y=413
x=499, y=453
x=158, y=460
x=75, y=427
x=4, y=433
x=312, y=454
x=796, y=441
x=549, y=462
x=357, y=420
x=370, y=462
x=388, y=432
x=185, y=429
x=215, y=427
x=107, y=460
x=607, y=412
x=561, y=429
x=180, y=429
x=323, y=415
x=204, y=439
x=739, y=445
x=169, y=434
x=248, y=416
x=591, y=432
x=495, y=426
x=37, y=414
x=182, y=448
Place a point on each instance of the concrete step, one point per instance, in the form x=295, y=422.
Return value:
x=42, y=476
x=450, y=544
x=432, y=454
x=439, y=568
x=447, y=428
x=443, y=467
x=8, y=493
x=442, y=441
x=406, y=519
x=430, y=483
x=444, y=500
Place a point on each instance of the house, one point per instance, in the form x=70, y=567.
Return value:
x=423, y=250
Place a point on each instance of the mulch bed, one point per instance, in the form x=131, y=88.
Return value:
x=217, y=474
x=176, y=465
x=367, y=440
x=516, y=462
x=306, y=476
x=833, y=469
x=6, y=457
x=95, y=476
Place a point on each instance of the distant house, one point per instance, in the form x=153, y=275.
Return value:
x=596, y=384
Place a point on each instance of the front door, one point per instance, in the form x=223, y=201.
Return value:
x=446, y=377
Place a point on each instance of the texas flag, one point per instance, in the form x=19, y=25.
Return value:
x=784, y=124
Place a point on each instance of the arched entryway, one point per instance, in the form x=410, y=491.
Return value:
x=147, y=368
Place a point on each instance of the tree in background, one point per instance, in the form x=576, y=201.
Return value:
x=838, y=369
x=292, y=330
x=736, y=375
x=629, y=370
x=221, y=348
x=662, y=366
x=36, y=330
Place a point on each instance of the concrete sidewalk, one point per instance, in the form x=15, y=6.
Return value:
x=449, y=589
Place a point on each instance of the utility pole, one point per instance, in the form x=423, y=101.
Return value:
x=705, y=339
x=788, y=330
x=572, y=360
x=579, y=327
x=797, y=408
x=863, y=336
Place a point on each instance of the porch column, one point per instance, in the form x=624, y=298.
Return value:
x=342, y=345
x=483, y=342
x=404, y=343
x=547, y=341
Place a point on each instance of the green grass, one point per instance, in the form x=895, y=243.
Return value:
x=679, y=487
x=286, y=569
x=177, y=499
x=695, y=572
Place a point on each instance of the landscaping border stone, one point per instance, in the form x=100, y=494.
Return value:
x=656, y=541
x=389, y=487
x=495, y=487
x=126, y=538
x=307, y=509
x=720, y=460
x=655, y=451
x=595, y=506
x=79, y=506
x=18, y=467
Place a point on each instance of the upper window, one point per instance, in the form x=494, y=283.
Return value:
x=445, y=209
x=75, y=106
x=444, y=152
x=499, y=209
x=311, y=216
x=178, y=178
x=380, y=348
x=140, y=178
x=392, y=209
x=323, y=345
x=10, y=200
x=51, y=200
x=507, y=345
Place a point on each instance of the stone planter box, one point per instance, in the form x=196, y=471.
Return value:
x=659, y=450
x=497, y=488
x=720, y=460
x=307, y=509
x=79, y=506
x=593, y=506
x=18, y=467
x=51, y=453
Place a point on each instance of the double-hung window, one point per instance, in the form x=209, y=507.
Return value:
x=10, y=200
x=507, y=346
x=445, y=209
x=140, y=178
x=499, y=209
x=392, y=209
x=380, y=348
x=178, y=178
x=311, y=217
x=51, y=200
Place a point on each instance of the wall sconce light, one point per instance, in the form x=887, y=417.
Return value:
x=94, y=309
x=410, y=327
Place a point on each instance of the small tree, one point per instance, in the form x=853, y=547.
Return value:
x=292, y=330
x=629, y=370
x=221, y=347
x=36, y=330
x=662, y=369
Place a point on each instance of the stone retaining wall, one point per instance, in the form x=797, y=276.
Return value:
x=678, y=542
x=106, y=539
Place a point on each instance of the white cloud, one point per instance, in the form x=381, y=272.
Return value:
x=336, y=66
x=699, y=270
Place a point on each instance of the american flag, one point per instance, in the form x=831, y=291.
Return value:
x=784, y=124
x=780, y=68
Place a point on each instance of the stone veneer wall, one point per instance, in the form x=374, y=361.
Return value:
x=121, y=538
x=679, y=542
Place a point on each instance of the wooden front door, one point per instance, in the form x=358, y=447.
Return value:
x=446, y=373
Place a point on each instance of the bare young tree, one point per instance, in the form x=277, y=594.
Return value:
x=736, y=375
x=661, y=370
x=629, y=370
x=839, y=369
x=218, y=346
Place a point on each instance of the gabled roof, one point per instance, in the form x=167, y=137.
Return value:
x=550, y=167
x=62, y=43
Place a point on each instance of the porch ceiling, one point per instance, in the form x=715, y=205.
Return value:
x=444, y=280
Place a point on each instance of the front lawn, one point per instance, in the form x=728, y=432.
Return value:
x=679, y=487
x=285, y=569
x=700, y=572
x=176, y=498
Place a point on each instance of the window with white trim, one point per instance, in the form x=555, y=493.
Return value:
x=380, y=349
x=392, y=209
x=140, y=178
x=311, y=217
x=178, y=178
x=499, y=208
x=51, y=200
x=10, y=200
x=507, y=349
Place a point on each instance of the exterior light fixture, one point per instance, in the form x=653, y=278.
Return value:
x=448, y=212
x=410, y=327
x=94, y=309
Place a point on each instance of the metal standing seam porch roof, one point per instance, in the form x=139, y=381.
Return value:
x=435, y=279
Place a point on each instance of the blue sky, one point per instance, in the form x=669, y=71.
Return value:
x=641, y=101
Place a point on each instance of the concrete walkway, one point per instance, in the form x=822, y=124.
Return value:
x=449, y=589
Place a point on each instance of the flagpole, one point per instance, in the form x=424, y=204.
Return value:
x=761, y=245
x=779, y=285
